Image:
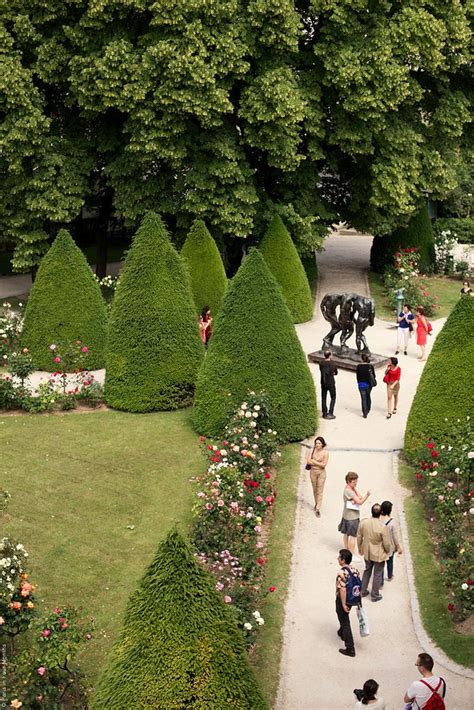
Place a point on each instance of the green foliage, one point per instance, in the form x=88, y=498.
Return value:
x=445, y=390
x=255, y=347
x=462, y=228
x=418, y=233
x=206, y=270
x=179, y=646
x=282, y=259
x=65, y=304
x=154, y=348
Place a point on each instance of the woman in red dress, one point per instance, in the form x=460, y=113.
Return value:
x=421, y=331
x=205, y=324
x=392, y=380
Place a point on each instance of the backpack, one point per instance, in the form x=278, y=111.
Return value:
x=435, y=701
x=353, y=587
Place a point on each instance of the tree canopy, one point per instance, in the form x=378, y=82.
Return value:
x=227, y=111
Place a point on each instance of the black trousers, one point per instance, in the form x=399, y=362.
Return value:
x=324, y=394
x=366, y=400
x=345, y=630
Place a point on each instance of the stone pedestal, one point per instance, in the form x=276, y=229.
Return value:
x=348, y=359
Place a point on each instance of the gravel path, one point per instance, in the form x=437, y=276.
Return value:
x=313, y=674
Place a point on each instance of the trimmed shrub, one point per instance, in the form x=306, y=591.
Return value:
x=180, y=646
x=279, y=252
x=154, y=348
x=418, y=233
x=255, y=347
x=446, y=387
x=65, y=304
x=206, y=270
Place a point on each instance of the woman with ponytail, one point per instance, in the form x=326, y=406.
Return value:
x=368, y=696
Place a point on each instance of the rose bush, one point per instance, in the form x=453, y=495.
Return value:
x=444, y=474
x=405, y=274
x=234, y=498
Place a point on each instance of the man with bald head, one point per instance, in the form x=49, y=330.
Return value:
x=373, y=539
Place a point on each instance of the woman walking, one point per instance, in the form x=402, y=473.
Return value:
x=392, y=380
x=318, y=460
x=365, y=374
x=404, y=329
x=349, y=524
x=422, y=330
x=205, y=324
x=386, y=518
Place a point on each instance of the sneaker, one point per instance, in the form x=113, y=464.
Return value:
x=346, y=652
x=396, y=352
x=318, y=514
x=329, y=416
x=405, y=352
x=377, y=598
x=364, y=594
x=390, y=579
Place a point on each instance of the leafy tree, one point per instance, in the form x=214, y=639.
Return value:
x=65, y=304
x=283, y=261
x=445, y=389
x=255, y=347
x=179, y=646
x=418, y=233
x=153, y=348
x=208, y=278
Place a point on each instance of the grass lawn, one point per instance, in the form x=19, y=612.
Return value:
x=77, y=481
x=280, y=543
x=446, y=289
x=432, y=598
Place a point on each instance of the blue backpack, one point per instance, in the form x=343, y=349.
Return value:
x=353, y=587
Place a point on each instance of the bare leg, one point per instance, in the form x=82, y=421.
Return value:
x=351, y=544
x=389, y=400
x=345, y=542
x=395, y=401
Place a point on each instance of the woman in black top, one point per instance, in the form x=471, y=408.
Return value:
x=365, y=380
x=466, y=288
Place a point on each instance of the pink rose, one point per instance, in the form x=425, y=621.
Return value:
x=46, y=633
x=41, y=670
x=209, y=506
x=57, y=359
x=84, y=349
x=220, y=503
x=259, y=499
x=227, y=599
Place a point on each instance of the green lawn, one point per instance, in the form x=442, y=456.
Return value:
x=446, y=289
x=431, y=593
x=280, y=545
x=77, y=481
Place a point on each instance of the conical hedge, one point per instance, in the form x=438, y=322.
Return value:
x=179, y=647
x=65, y=304
x=418, y=233
x=446, y=387
x=255, y=347
x=282, y=259
x=208, y=277
x=154, y=348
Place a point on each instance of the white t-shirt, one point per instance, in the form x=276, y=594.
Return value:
x=379, y=705
x=421, y=693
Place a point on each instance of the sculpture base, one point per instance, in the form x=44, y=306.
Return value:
x=349, y=359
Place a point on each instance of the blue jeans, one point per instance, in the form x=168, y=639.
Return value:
x=389, y=568
x=365, y=400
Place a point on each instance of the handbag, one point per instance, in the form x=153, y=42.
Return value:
x=363, y=622
x=308, y=465
x=385, y=379
x=372, y=378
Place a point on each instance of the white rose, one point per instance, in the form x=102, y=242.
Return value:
x=470, y=455
x=248, y=414
x=244, y=405
x=260, y=621
x=464, y=586
x=457, y=502
x=255, y=415
x=257, y=407
x=248, y=626
x=457, y=470
x=471, y=511
x=253, y=424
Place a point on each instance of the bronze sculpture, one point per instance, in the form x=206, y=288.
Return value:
x=355, y=312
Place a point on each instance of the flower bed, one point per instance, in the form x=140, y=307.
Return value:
x=444, y=475
x=405, y=275
x=234, y=500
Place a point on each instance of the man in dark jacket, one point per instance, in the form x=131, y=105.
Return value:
x=328, y=385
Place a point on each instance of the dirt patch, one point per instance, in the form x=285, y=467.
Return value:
x=466, y=627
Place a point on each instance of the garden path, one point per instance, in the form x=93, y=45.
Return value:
x=313, y=675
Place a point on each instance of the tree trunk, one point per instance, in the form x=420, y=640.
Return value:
x=102, y=227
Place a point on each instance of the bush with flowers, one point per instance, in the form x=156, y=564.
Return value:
x=234, y=499
x=445, y=477
x=405, y=274
x=11, y=324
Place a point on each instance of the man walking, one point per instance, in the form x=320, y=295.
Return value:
x=373, y=538
x=429, y=688
x=342, y=607
x=328, y=385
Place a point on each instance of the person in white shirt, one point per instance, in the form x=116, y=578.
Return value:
x=420, y=691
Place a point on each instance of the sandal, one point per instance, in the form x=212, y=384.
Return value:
x=389, y=415
x=394, y=411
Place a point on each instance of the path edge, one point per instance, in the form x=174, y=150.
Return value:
x=424, y=639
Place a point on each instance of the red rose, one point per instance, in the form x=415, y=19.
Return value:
x=202, y=438
x=209, y=447
x=260, y=561
x=470, y=582
x=434, y=454
x=269, y=499
x=267, y=476
x=418, y=475
x=226, y=443
x=430, y=445
x=271, y=589
x=451, y=607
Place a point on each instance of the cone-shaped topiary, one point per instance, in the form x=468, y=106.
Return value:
x=180, y=646
x=65, y=304
x=418, y=233
x=208, y=278
x=255, y=347
x=282, y=259
x=153, y=348
x=446, y=387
